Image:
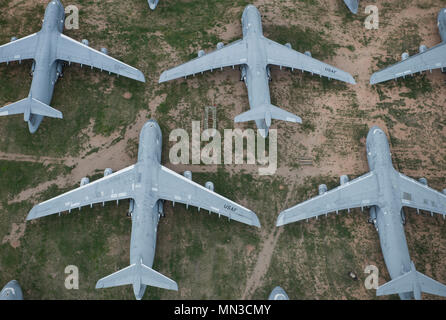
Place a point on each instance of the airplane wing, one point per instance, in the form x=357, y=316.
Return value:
x=116, y=186
x=352, y=5
x=72, y=51
x=175, y=187
x=433, y=58
x=360, y=192
x=419, y=196
x=20, y=49
x=230, y=55
x=283, y=56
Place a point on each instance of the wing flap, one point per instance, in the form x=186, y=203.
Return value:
x=280, y=55
x=73, y=51
x=114, y=187
x=176, y=188
x=361, y=192
x=230, y=55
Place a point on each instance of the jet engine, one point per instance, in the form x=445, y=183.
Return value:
x=108, y=172
x=322, y=189
x=308, y=53
x=209, y=185
x=85, y=42
x=423, y=181
x=201, y=53
x=288, y=45
x=104, y=51
x=85, y=181
x=220, y=45
x=344, y=179
x=13, y=39
x=403, y=216
x=404, y=56
x=444, y=191
x=188, y=175
x=423, y=48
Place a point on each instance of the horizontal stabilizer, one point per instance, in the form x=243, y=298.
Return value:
x=412, y=281
x=267, y=113
x=30, y=106
x=137, y=274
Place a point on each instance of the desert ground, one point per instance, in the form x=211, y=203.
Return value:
x=212, y=258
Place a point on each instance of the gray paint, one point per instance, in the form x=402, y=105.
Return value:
x=147, y=184
x=49, y=49
x=352, y=5
x=153, y=4
x=427, y=59
x=278, y=294
x=385, y=191
x=255, y=54
x=11, y=291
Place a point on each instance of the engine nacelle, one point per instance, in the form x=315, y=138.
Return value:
x=288, y=45
x=220, y=45
x=84, y=181
x=344, y=179
x=404, y=56
x=188, y=175
x=423, y=48
x=13, y=39
x=108, y=172
x=85, y=42
x=209, y=185
x=308, y=53
x=444, y=191
x=322, y=189
x=403, y=217
x=104, y=51
x=423, y=181
x=201, y=53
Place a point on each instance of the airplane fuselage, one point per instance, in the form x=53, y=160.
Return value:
x=387, y=216
x=255, y=72
x=146, y=206
x=441, y=23
x=46, y=68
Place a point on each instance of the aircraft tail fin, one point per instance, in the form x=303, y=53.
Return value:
x=412, y=282
x=137, y=275
x=30, y=106
x=267, y=112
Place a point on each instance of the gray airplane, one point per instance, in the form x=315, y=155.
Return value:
x=147, y=184
x=255, y=55
x=11, y=291
x=153, y=3
x=385, y=191
x=426, y=59
x=352, y=5
x=49, y=49
x=278, y=294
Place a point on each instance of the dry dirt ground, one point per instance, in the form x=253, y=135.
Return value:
x=310, y=261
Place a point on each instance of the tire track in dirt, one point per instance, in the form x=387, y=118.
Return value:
x=264, y=258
